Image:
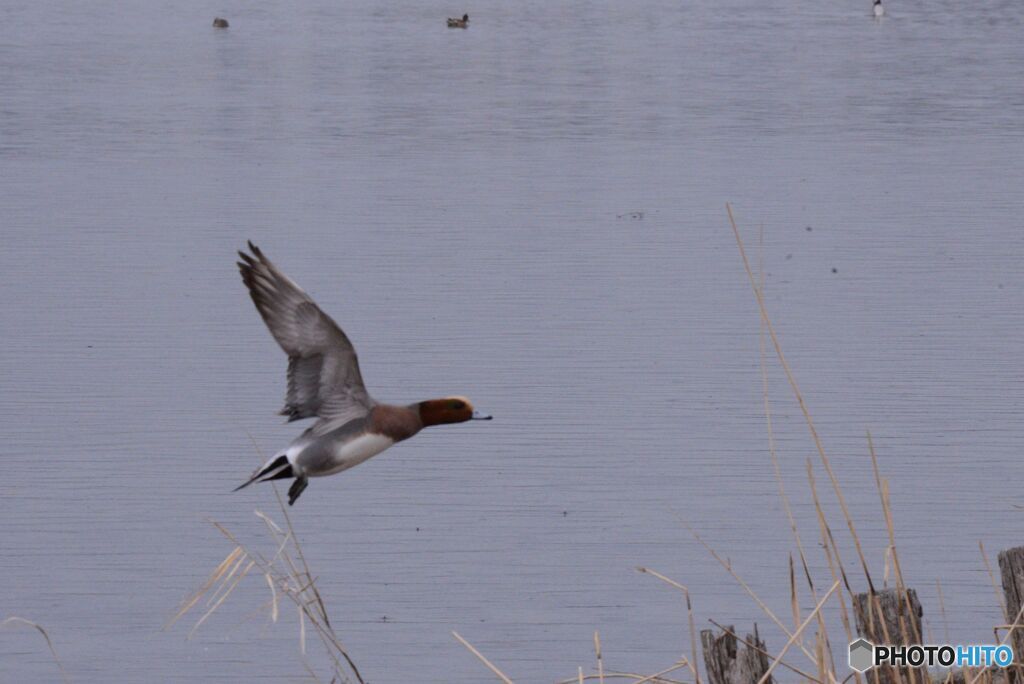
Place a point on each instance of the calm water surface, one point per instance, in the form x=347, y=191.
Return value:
x=453, y=199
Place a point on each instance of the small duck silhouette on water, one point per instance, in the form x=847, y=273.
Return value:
x=459, y=23
x=220, y=23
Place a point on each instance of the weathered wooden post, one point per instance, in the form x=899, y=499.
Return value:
x=730, y=661
x=890, y=617
x=1011, y=567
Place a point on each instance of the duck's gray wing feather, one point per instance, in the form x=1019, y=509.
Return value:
x=323, y=370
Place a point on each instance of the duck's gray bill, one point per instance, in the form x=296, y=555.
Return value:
x=477, y=415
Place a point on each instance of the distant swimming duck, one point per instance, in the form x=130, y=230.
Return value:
x=324, y=382
x=220, y=23
x=459, y=23
x=879, y=10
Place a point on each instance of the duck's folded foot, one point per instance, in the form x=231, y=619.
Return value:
x=296, y=489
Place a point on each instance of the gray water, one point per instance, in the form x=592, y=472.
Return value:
x=458, y=201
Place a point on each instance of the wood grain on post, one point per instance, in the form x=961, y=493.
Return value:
x=890, y=617
x=1011, y=567
x=730, y=661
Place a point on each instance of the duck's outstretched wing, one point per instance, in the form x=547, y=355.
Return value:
x=323, y=371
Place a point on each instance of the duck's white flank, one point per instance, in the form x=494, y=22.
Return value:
x=355, y=451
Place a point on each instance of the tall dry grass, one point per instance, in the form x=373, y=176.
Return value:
x=287, y=576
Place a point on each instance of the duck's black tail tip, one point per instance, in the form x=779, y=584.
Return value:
x=276, y=469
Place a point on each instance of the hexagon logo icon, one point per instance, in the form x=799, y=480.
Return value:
x=861, y=655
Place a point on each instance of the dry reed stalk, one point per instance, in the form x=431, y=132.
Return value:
x=689, y=612
x=1000, y=600
x=829, y=665
x=658, y=677
x=327, y=634
x=797, y=633
x=823, y=631
x=15, y=620
x=942, y=609
x=285, y=577
x=820, y=650
x=882, y=484
x=485, y=661
x=194, y=598
x=655, y=678
x=750, y=592
x=305, y=566
x=883, y=492
x=799, y=397
x=1016, y=624
x=794, y=601
x=293, y=587
x=774, y=456
x=310, y=672
x=600, y=663
x=828, y=546
x=875, y=609
x=230, y=587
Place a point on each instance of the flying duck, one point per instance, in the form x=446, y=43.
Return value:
x=324, y=382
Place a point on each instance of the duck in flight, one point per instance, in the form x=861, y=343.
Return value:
x=324, y=382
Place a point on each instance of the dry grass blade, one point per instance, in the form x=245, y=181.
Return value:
x=995, y=587
x=273, y=597
x=750, y=592
x=799, y=396
x=656, y=678
x=666, y=580
x=689, y=612
x=227, y=592
x=286, y=578
x=829, y=547
x=875, y=613
x=325, y=630
x=883, y=493
x=311, y=673
x=271, y=525
x=942, y=609
x=600, y=663
x=225, y=581
x=794, y=601
x=693, y=640
x=1016, y=624
x=15, y=620
x=796, y=634
x=485, y=661
x=217, y=573
x=774, y=456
